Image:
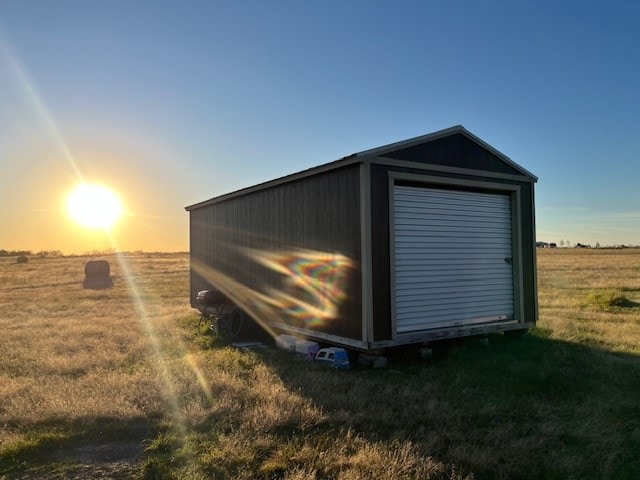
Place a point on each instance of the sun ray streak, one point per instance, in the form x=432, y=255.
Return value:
x=37, y=103
x=142, y=314
x=192, y=362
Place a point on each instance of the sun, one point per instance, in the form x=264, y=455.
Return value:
x=94, y=206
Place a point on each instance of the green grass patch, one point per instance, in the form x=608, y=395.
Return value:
x=609, y=299
x=32, y=450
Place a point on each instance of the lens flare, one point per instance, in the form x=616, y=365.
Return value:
x=316, y=283
x=312, y=290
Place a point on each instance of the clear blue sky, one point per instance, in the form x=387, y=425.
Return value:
x=172, y=103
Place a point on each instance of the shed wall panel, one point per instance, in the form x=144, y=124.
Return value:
x=292, y=250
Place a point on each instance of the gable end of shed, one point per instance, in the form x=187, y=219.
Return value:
x=453, y=147
x=454, y=151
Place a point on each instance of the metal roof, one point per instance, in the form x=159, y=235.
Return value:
x=370, y=156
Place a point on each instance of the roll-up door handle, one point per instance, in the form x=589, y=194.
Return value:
x=509, y=260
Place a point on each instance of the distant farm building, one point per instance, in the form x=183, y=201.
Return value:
x=423, y=239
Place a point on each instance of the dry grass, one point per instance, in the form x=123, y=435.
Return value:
x=590, y=296
x=79, y=365
x=89, y=378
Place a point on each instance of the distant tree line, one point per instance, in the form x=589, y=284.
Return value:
x=27, y=253
x=14, y=253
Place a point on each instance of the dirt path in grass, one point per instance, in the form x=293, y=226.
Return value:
x=102, y=461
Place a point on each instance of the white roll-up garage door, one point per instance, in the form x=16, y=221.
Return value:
x=453, y=258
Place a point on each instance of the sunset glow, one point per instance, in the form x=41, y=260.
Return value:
x=94, y=206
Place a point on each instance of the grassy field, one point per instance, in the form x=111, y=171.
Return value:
x=119, y=383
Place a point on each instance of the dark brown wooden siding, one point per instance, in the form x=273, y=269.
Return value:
x=294, y=248
x=454, y=151
x=381, y=247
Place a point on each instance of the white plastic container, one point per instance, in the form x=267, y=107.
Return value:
x=286, y=342
x=307, y=349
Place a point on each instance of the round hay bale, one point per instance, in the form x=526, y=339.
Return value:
x=97, y=275
x=22, y=259
x=97, y=269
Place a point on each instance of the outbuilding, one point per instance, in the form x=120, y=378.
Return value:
x=423, y=239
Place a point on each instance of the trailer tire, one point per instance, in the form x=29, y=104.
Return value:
x=234, y=322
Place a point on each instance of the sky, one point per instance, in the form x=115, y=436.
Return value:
x=172, y=103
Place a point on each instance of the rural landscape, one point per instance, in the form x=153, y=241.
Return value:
x=122, y=383
x=435, y=188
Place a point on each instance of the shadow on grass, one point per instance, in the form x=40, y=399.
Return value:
x=626, y=303
x=58, y=443
x=531, y=407
x=610, y=300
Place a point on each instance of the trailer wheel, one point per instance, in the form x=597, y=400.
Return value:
x=234, y=322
